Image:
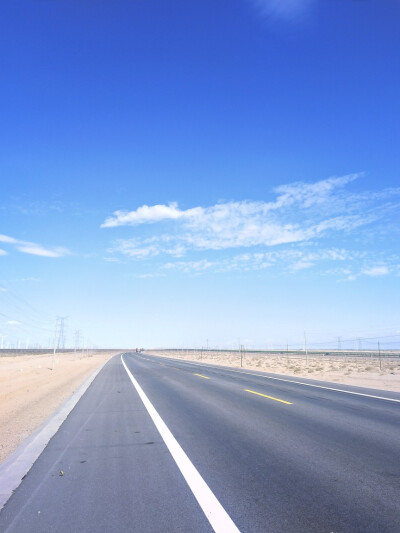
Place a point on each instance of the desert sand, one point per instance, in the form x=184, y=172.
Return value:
x=30, y=391
x=362, y=370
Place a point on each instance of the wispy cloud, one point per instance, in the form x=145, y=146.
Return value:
x=36, y=249
x=283, y=9
x=305, y=195
x=7, y=239
x=300, y=213
x=23, y=206
x=344, y=265
x=194, y=266
x=151, y=275
x=301, y=265
x=289, y=261
x=381, y=270
x=33, y=248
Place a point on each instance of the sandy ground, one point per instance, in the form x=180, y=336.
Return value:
x=360, y=371
x=30, y=391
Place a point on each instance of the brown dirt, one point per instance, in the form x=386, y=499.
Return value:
x=30, y=391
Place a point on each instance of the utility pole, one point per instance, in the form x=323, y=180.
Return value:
x=56, y=339
x=380, y=360
x=305, y=347
x=339, y=343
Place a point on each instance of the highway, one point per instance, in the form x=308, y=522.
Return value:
x=160, y=445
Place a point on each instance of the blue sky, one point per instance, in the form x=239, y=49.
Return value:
x=181, y=171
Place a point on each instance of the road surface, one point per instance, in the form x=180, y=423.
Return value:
x=159, y=445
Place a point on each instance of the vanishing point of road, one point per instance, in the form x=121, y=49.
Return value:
x=161, y=445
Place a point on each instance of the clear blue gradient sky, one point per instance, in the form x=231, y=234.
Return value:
x=173, y=172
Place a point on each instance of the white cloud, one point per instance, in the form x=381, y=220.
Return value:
x=135, y=249
x=309, y=194
x=376, y=271
x=36, y=249
x=305, y=195
x=13, y=323
x=2, y=289
x=300, y=212
x=151, y=275
x=289, y=261
x=284, y=9
x=352, y=264
x=33, y=248
x=301, y=265
x=286, y=231
x=191, y=266
x=3, y=252
x=148, y=214
x=7, y=239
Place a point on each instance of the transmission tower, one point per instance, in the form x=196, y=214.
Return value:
x=61, y=332
x=77, y=334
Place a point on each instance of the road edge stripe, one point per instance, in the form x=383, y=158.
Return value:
x=219, y=519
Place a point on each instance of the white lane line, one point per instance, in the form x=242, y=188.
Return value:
x=285, y=380
x=215, y=513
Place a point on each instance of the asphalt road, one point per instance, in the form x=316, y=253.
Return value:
x=276, y=455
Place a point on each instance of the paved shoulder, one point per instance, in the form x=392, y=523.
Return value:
x=107, y=469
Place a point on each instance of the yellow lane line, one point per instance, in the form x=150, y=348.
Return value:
x=201, y=376
x=270, y=397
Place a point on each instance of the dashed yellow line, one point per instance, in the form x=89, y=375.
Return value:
x=201, y=376
x=270, y=397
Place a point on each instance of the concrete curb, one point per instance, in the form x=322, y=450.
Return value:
x=17, y=465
